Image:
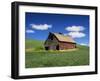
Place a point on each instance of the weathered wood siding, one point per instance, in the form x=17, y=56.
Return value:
x=64, y=45
x=52, y=43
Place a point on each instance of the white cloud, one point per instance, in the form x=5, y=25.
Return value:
x=75, y=28
x=83, y=44
x=65, y=34
x=76, y=34
x=30, y=31
x=41, y=26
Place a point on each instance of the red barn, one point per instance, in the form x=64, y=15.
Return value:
x=58, y=41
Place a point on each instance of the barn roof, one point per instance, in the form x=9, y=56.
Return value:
x=64, y=38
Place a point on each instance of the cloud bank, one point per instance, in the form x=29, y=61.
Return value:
x=76, y=34
x=83, y=44
x=76, y=31
x=41, y=26
x=30, y=31
x=75, y=28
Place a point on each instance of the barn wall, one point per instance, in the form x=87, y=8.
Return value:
x=55, y=40
x=64, y=45
x=51, y=43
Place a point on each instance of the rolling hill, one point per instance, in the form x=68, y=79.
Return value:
x=36, y=58
x=33, y=43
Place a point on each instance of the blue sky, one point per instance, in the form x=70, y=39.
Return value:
x=38, y=26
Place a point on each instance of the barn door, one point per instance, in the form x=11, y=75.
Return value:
x=46, y=48
x=57, y=47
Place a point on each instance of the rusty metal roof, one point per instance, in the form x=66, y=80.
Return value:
x=64, y=38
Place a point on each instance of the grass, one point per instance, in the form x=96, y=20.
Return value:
x=33, y=44
x=41, y=58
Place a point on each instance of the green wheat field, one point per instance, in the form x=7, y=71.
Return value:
x=36, y=56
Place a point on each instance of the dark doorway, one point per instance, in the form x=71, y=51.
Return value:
x=75, y=46
x=46, y=48
x=57, y=47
